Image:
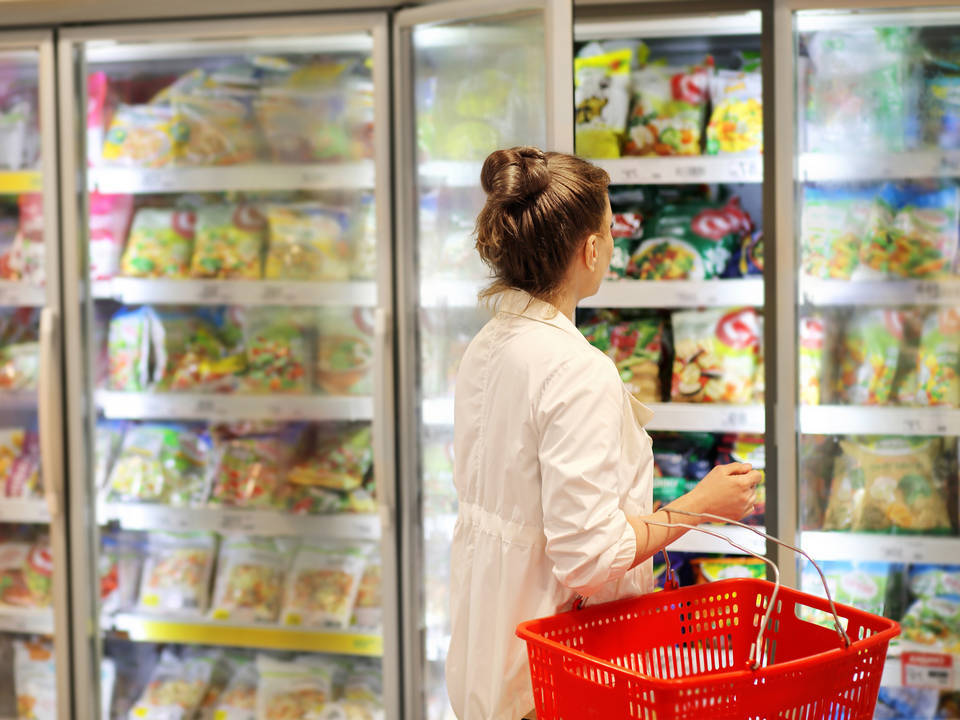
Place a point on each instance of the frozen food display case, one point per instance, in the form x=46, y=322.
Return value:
x=872, y=227
x=229, y=365
x=34, y=610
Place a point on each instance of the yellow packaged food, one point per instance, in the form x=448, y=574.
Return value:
x=307, y=242
x=736, y=123
x=142, y=136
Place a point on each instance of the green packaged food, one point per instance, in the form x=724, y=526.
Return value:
x=736, y=121
x=846, y=494
x=668, y=110
x=869, y=356
x=345, y=347
x=229, y=242
x=860, y=584
x=627, y=230
x=160, y=243
x=832, y=225
x=128, y=350
x=938, y=359
x=812, y=366
x=934, y=581
x=933, y=621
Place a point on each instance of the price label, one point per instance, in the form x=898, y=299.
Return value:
x=736, y=419
x=314, y=176
x=929, y=425
x=927, y=670
x=277, y=294
x=210, y=292
x=629, y=174
x=205, y=406
x=690, y=172
x=950, y=163
x=238, y=522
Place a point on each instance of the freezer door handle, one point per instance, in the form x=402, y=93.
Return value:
x=381, y=417
x=48, y=410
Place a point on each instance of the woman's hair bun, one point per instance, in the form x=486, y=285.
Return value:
x=515, y=175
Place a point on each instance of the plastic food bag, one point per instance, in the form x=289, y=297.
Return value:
x=933, y=621
x=860, y=584
x=322, y=585
x=109, y=218
x=938, y=359
x=307, y=242
x=176, y=573
x=176, y=689
x=813, y=340
x=368, y=609
x=195, y=352
x=934, y=581
x=832, y=223
x=277, y=354
x=340, y=462
x=345, y=346
x=128, y=349
x=19, y=365
x=636, y=348
x=229, y=242
x=26, y=574
x=239, y=699
x=249, y=585
x=869, y=355
x=249, y=471
x=747, y=257
x=924, y=234
x=669, y=106
x=160, y=243
x=141, y=136
x=293, y=690
x=693, y=241
x=121, y=562
x=160, y=463
x=707, y=570
x=736, y=122
x=627, y=229
x=715, y=355
x=214, y=128
x=602, y=100
x=900, y=489
x=34, y=677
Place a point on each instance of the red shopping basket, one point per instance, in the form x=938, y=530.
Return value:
x=686, y=653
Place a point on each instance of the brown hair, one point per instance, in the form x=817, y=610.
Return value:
x=540, y=209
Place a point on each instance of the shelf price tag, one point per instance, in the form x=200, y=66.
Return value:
x=210, y=292
x=736, y=419
x=629, y=173
x=690, y=172
x=927, y=670
x=242, y=522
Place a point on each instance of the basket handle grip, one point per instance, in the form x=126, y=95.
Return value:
x=756, y=649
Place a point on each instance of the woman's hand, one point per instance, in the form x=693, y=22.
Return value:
x=729, y=491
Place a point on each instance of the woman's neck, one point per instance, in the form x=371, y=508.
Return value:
x=566, y=302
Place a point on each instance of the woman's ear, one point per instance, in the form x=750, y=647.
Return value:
x=591, y=251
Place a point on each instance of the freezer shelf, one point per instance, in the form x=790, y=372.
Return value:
x=26, y=621
x=32, y=512
x=872, y=420
x=694, y=169
x=698, y=542
x=875, y=547
x=826, y=167
x=331, y=176
x=677, y=294
x=881, y=292
x=145, y=628
x=682, y=417
x=186, y=406
x=20, y=294
x=140, y=291
x=228, y=520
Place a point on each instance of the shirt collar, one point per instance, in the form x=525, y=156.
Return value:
x=522, y=304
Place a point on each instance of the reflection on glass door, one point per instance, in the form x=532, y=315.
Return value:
x=877, y=217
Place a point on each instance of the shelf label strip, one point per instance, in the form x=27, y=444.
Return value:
x=927, y=670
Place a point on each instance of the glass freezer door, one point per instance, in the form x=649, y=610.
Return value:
x=34, y=620
x=877, y=212
x=234, y=480
x=471, y=78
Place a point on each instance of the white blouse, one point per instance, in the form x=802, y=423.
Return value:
x=550, y=456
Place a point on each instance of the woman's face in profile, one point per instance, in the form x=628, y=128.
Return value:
x=606, y=244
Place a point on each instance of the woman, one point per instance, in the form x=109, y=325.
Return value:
x=553, y=467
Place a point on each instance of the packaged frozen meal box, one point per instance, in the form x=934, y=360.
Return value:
x=668, y=110
x=690, y=241
x=935, y=581
x=141, y=136
x=344, y=359
x=602, y=100
x=716, y=355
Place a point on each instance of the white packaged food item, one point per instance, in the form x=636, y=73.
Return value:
x=249, y=586
x=239, y=700
x=176, y=689
x=293, y=690
x=108, y=679
x=322, y=585
x=34, y=677
x=176, y=574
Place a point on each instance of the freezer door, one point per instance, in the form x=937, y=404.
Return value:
x=471, y=77
x=228, y=299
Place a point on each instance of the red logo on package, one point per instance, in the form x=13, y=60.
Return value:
x=738, y=329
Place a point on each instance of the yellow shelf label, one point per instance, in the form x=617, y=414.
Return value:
x=20, y=181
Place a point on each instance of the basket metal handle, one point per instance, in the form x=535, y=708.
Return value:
x=756, y=648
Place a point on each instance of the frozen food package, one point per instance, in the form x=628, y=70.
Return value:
x=747, y=257
x=636, y=347
x=196, y=351
x=938, y=359
x=627, y=230
x=23, y=480
x=176, y=573
x=238, y=701
x=249, y=584
x=15, y=120
x=108, y=437
x=602, y=101
x=814, y=361
x=305, y=127
x=29, y=245
x=860, y=584
x=668, y=110
x=322, y=585
x=10, y=252
x=907, y=703
x=228, y=243
x=933, y=621
x=108, y=681
x=12, y=441
x=214, y=127
x=249, y=471
x=34, y=678
x=690, y=241
x=128, y=349
x=709, y=569
x=716, y=353
x=368, y=608
x=176, y=688
x=97, y=91
x=121, y=562
x=861, y=90
x=736, y=121
x=345, y=346
x=278, y=353
x=160, y=243
x=307, y=241
x=296, y=689
x=341, y=460
x=365, y=241
x=846, y=494
x=869, y=355
x=26, y=573
x=19, y=365
x=109, y=219
x=833, y=222
x=141, y=136
x=901, y=489
x=161, y=463
x=935, y=581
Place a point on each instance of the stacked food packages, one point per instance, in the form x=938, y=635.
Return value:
x=670, y=234
x=320, y=469
x=710, y=356
x=629, y=103
x=21, y=240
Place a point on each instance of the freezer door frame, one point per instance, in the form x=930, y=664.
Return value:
x=78, y=309
x=559, y=109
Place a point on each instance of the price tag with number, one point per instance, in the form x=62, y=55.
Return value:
x=243, y=522
x=927, y=670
